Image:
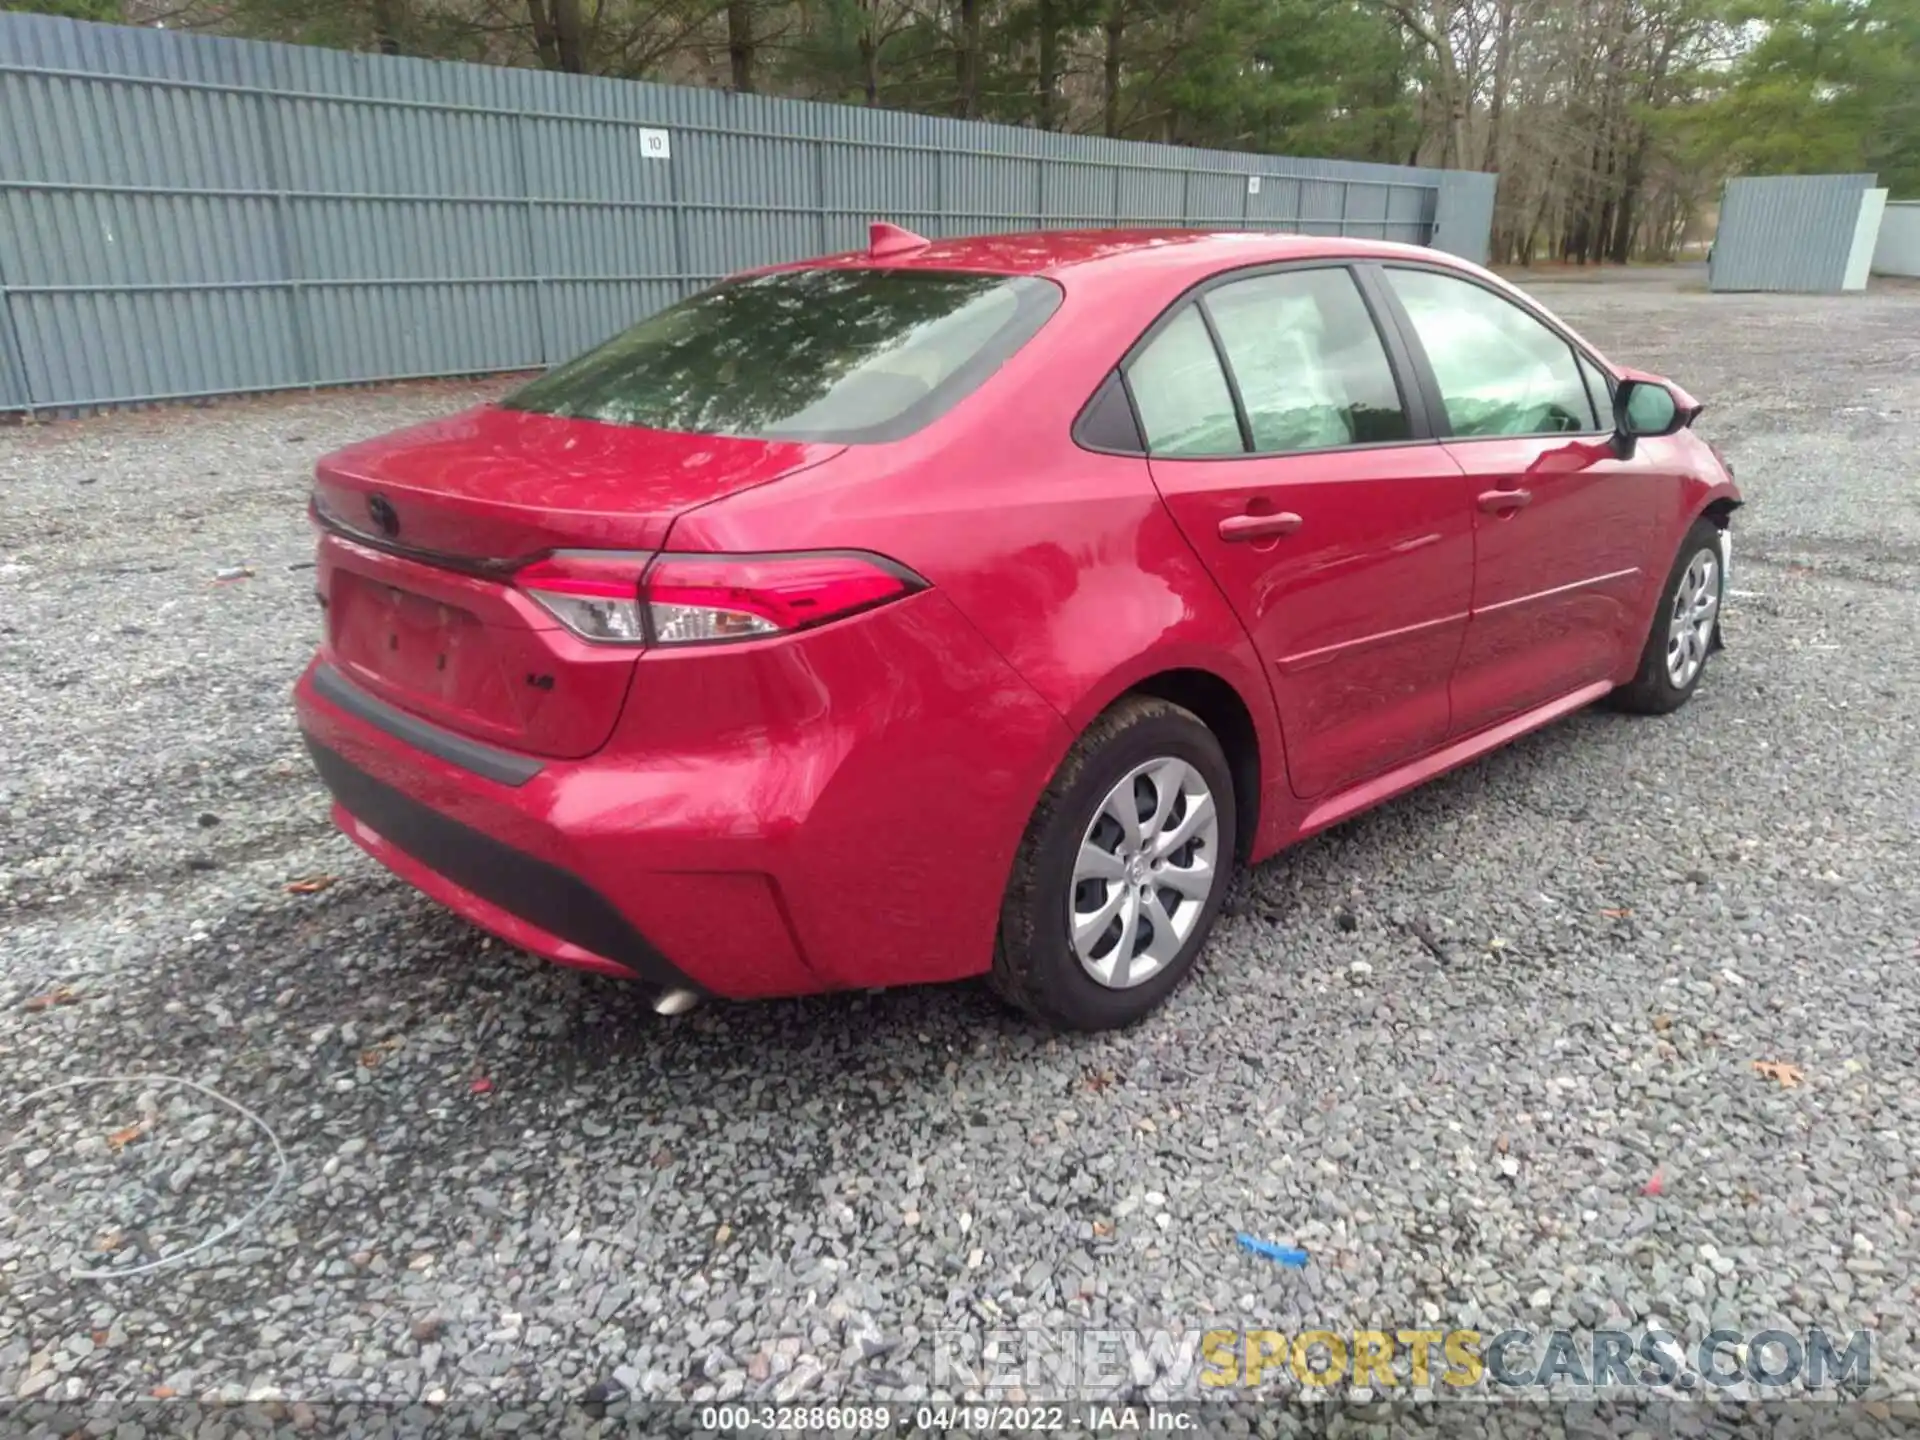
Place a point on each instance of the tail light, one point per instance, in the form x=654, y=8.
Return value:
x=594, y=593
x=695, y=599
x=623, y=598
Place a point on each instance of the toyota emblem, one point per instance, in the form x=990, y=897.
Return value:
x=384, y=515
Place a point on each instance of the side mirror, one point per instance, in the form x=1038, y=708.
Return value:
x=1642, y=408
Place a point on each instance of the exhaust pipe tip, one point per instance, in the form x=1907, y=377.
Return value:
x=675, y=1002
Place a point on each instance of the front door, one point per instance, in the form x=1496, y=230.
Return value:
x=1561, y=523
x=1279, y=438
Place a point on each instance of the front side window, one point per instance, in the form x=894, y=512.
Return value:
x=831, y=354
x=1181, y=393
x=1500, y=371
x=1309, y=363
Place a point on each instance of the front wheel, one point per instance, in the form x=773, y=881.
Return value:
x=1122, y=870
x=1684, y=625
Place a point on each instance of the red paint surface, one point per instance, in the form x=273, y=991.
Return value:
x=841, y=807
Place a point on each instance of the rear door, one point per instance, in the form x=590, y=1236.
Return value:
x=1561, y=523
x=1297, y=464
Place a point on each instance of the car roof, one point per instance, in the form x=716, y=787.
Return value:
x=1050, y=252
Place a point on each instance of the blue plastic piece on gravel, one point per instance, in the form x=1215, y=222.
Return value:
x=1295, y=1258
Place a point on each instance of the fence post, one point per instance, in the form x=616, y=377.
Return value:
x=679, y=216
x=306, y=362
x=823, y=238
x=532, y=270
x=12, y=356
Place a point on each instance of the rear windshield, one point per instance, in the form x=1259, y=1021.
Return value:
x=836, y=355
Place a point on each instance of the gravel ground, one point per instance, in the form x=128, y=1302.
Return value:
x=1444, y=1049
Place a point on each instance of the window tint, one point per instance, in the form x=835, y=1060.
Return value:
x=1108, y=423
x=1181, y=393
x=1310, y=366
x=828, y=354
x=1500, y=371
x=1597, y=390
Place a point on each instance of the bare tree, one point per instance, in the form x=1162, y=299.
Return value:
x=966, y=58
x=558, y=34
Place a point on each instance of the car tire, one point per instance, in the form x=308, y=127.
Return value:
x=1686, y=624
x=1162, y=884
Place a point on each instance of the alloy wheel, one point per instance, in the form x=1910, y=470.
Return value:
x=1145, y=868
x=1696, y=602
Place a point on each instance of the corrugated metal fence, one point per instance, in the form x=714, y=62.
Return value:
x=187, y=215
x=1787, y=232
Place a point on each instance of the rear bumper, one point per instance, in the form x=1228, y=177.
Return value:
x=552, y=860
x=837, y=810
x=528, y=901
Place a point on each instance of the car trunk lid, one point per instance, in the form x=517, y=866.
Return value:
x=423, y=529
x=494, y=485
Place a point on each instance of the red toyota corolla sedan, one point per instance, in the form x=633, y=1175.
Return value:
x=974, y=607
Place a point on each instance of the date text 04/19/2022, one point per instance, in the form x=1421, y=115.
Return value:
x=945, y=1418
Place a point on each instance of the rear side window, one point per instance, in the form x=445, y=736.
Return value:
x=1312, y=372
x=1181, y=392
x=835, y=355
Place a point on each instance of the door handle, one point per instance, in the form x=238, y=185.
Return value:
x=1259, y=527
x=1500, y=500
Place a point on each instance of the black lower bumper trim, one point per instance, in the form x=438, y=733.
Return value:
x=555, y=900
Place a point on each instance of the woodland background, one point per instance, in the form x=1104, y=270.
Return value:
x=1612, y=123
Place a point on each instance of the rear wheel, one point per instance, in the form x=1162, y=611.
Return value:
x=1122, y=870
x=1684, y=625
